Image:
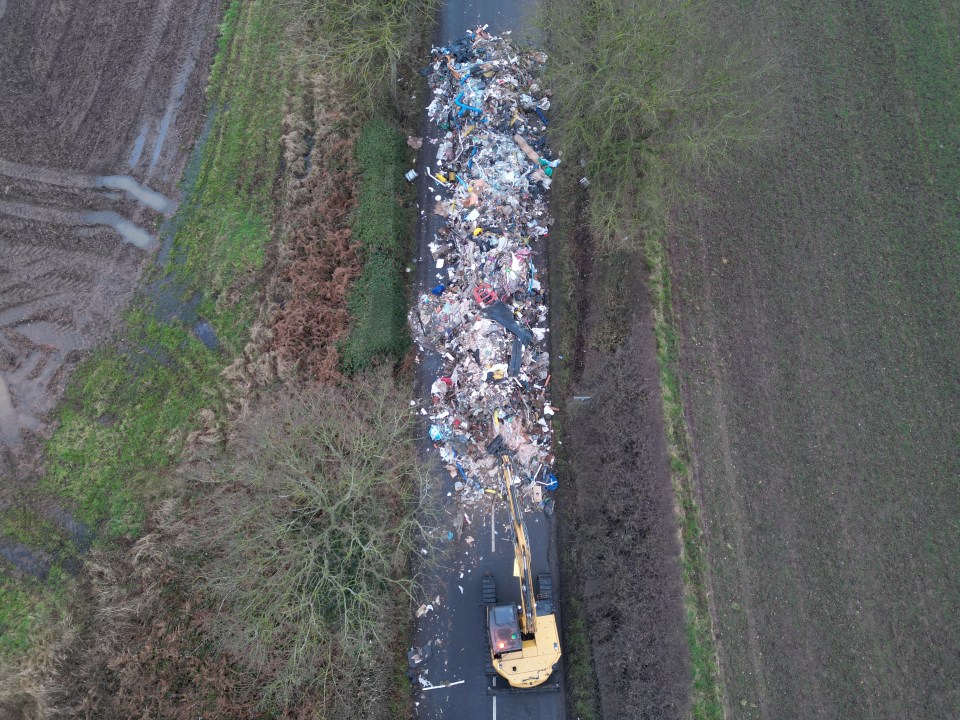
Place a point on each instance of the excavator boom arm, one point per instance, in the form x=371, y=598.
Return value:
x=523, y=567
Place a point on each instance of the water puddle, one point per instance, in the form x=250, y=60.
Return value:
x=3, y=8
x=133, y=234
x=179, y=88
x=151, y=198
x=31, y=562
x=137, y=145
x=9, y=424
x=207, y=335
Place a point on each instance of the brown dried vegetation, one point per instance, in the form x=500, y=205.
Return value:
x=134, y=648
x=275, y=587
x=323, y=263
x=149, y=659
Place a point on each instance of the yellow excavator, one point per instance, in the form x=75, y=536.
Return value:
x=524, y=643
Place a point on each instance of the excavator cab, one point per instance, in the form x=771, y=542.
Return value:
x=504, y=629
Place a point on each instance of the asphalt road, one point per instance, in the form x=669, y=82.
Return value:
x=455, y=628
x=512, y=16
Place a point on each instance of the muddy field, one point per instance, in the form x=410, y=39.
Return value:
x=818, y=296
x=98, y=107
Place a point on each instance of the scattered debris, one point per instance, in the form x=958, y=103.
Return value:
x=418, y=656
x=427, y=685
x=423, y=610
x=487, y=315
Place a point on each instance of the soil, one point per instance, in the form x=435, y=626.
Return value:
x=817, y=293
x=618, y=528
x=114, y=89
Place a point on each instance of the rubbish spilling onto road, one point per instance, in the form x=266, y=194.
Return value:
x=486, y=316
x=417, y=656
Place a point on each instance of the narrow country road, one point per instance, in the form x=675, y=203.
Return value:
x=455, y=627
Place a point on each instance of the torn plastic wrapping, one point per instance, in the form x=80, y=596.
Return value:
x=489, y=322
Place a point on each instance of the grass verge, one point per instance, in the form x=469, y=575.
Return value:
x=707, y=698
x=378, y=303
x=224, y=229
x=683, y=89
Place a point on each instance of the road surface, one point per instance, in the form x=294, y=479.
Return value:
x=455, y=628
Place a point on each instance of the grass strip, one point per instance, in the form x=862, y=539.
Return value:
x=18, y=610
x=27, y=606
x=378, y=302
x=924, y=39
x=579, y=663
x=379, y=222
x=707, y=698
x=225, y=226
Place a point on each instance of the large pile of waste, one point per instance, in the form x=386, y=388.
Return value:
x=487, y=315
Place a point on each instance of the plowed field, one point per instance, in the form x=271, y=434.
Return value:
x=98, y=104
x=821, y=344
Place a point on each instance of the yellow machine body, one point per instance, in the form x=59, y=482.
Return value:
x=533, y=663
